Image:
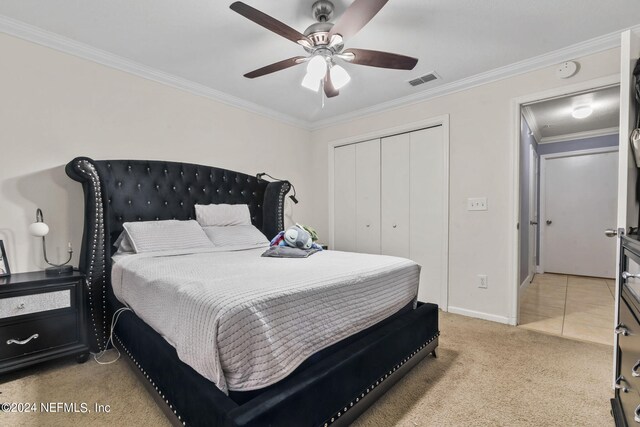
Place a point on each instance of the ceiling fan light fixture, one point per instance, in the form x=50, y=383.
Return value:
x=339, y=76
x=310, y=82
x=317, y=67
x=582, y=112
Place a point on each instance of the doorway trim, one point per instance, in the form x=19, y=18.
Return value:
x=514, y=234
x=442, y=120
x=543, y=166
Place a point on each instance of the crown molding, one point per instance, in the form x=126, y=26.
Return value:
x=580, y=135
x=48, y=39
x=532, y=122
x=588, y=47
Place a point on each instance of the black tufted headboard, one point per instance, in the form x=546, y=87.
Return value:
x=119, y=191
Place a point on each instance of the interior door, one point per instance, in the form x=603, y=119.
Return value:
x=344, y=198
x=367, y=170
x=580, y=194
x=396, y=176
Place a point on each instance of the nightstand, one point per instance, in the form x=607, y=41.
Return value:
x=41, y=318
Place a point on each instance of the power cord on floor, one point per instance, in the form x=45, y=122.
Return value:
x=114, y=320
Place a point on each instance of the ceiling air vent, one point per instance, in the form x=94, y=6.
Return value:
x=424, y=79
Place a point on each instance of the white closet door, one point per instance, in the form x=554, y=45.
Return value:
x=396, y=175
x=368, y=197
x=344, y=191
x=429, y=211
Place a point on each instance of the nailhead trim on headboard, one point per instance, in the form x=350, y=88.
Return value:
x=96, y=271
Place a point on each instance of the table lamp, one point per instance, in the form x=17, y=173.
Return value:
x=41, y=229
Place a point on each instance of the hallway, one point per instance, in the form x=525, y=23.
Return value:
x=571, y=306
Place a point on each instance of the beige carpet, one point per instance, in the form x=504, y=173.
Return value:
x=486, y=374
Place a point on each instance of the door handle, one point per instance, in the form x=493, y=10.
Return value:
x=549, y=222
x=611, y=232
x=533, y=222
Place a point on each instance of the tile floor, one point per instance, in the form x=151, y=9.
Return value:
x=571, y=306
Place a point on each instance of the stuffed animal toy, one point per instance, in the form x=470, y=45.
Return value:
x=298, y=237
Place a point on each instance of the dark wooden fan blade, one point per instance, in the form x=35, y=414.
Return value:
x=270, y=23
x=356, y=16
x=276, y=66
x=329, y=89
x=374, y=58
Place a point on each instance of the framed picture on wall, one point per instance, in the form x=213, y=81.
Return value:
x=4, y=262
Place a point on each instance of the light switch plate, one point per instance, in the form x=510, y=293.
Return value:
x=477, y=204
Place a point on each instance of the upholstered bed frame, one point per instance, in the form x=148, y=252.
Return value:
x=331, y=388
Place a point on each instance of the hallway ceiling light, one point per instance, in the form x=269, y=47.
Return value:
x=582, y=112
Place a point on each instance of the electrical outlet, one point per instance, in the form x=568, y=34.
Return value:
x=477, y=204
x=483, y=281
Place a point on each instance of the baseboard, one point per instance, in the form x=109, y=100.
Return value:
x=539, y=270
x=479, y=315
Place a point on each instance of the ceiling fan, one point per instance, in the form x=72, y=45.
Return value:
x=324, y=42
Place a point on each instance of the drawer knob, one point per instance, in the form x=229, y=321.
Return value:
x=634, y=370
x=627, y=275
x=20, y=306
x=621, y=330
x=23, y=342
x=621, y=387
x=636, y=415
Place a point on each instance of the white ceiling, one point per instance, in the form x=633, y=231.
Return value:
x=207, y=43
x=552, y=120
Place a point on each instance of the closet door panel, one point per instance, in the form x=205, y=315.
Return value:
x=344, y=198
x=395, y=232
x=368, y=197
x=428, y=210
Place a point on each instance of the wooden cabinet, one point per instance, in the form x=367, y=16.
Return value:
x=391, y=198
x=41, y=318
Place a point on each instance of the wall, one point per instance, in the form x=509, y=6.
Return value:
x=481, y=164
x=526, y=140
x=54, y=107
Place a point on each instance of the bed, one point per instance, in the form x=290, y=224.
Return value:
x=332, y=386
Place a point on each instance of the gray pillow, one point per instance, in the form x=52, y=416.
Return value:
x=153, y=236
x=236, y=235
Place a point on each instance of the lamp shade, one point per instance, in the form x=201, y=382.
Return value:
x=311, y=83
x=339, y=76
x=39, y=229
x=317, y=67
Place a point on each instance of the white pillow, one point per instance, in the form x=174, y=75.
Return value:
x=236, y=235
x=122, y=244
x=222, y=215
x=152, y=236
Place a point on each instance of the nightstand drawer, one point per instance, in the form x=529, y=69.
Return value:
x=34, y=303
x=36, y=335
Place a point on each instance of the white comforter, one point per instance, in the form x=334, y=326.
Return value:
x=245, y=322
